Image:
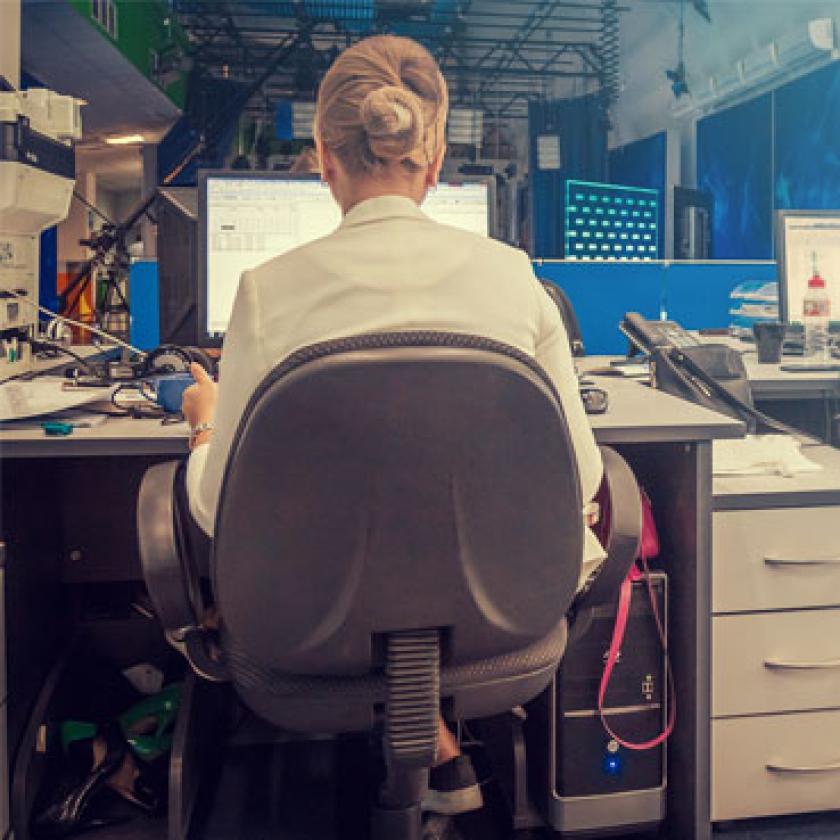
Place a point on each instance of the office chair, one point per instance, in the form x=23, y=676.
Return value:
x=399, y=530
x=567, y=312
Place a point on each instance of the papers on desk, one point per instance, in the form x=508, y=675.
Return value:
x=21, y=399
x=78, y=418
x=760, y=455
x=639, y=371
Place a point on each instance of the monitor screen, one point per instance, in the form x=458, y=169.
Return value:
x=611, y=222
x=248, y=218
x=463, y=205
x=805, y=240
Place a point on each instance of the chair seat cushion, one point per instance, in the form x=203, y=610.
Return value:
x=352, y=703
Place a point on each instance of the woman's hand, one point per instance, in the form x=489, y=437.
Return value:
x=199, y=401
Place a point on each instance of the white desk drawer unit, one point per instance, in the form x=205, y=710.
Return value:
x=776, y=764
x=775, y=659
x=775, y=662
x=776, y=559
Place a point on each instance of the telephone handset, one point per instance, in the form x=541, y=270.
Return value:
x=646, y=335
x=711, y=375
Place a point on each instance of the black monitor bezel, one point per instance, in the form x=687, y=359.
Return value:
x=781, y=257
x=207, y=340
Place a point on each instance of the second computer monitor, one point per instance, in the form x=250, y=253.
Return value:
x=246, y=218
x=807, y=240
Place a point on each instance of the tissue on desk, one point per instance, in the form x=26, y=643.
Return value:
x=761, y=455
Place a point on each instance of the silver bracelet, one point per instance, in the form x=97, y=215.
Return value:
x=195, y=431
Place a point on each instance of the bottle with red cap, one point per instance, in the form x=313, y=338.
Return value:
x=816, y=314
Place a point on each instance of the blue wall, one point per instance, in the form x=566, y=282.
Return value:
x=693, y=294
x=639, y=164
x=643, y=164
x=806, y=128
x=735, y=164
x=778, y=151
x=582, y=127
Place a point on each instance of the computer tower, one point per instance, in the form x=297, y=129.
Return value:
x=693, y=224
x=581, y=780
x=176, y=211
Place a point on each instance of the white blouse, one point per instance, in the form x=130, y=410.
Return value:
x=388, y=267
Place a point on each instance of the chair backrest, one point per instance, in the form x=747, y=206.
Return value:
x=567, y=313
x=393, y=482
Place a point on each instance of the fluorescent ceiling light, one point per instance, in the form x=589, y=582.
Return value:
x=124, y=139
x=796, y=51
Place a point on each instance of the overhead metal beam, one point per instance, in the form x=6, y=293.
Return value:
x=490, y=51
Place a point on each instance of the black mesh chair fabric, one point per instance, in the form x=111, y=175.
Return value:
x=386, y=484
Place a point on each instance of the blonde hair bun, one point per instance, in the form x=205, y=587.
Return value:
x=392, y=118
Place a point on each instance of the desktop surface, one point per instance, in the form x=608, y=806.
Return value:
x=636, y=414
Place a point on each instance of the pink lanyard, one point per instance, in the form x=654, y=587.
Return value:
x=625, y=597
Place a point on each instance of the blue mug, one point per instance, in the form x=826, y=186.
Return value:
x=169, y=391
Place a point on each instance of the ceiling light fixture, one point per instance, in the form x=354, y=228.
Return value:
x=799, y=50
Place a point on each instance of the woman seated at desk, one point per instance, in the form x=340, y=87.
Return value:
x=380, y=129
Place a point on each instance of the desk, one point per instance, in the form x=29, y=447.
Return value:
x=807, y=401
x=776, y=599
x=55, y=532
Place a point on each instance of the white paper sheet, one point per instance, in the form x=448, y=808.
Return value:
x=760, y=455
x=22, y=399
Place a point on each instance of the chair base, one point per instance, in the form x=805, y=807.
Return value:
x=397, y=823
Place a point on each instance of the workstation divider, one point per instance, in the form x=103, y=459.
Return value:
x=695, y=294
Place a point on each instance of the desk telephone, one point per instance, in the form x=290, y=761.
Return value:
x=645, y=335
x=711, y=375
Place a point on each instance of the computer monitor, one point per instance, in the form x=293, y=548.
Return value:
x=462, y=204
x=803, y=238
x=247, y=218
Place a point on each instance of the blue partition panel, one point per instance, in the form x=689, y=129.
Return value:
x=144, y=298
x=48, y=269
x=697, y=294
x=693, y=294
x=602, y=292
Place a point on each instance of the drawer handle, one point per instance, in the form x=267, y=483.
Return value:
x=804, y=561
x=782, y=665
x=803, y=768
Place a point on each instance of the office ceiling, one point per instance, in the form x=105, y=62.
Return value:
x=64, y=52
x=496, y=54
x=649, y=47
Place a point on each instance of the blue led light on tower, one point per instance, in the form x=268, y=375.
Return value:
x=609, y=208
